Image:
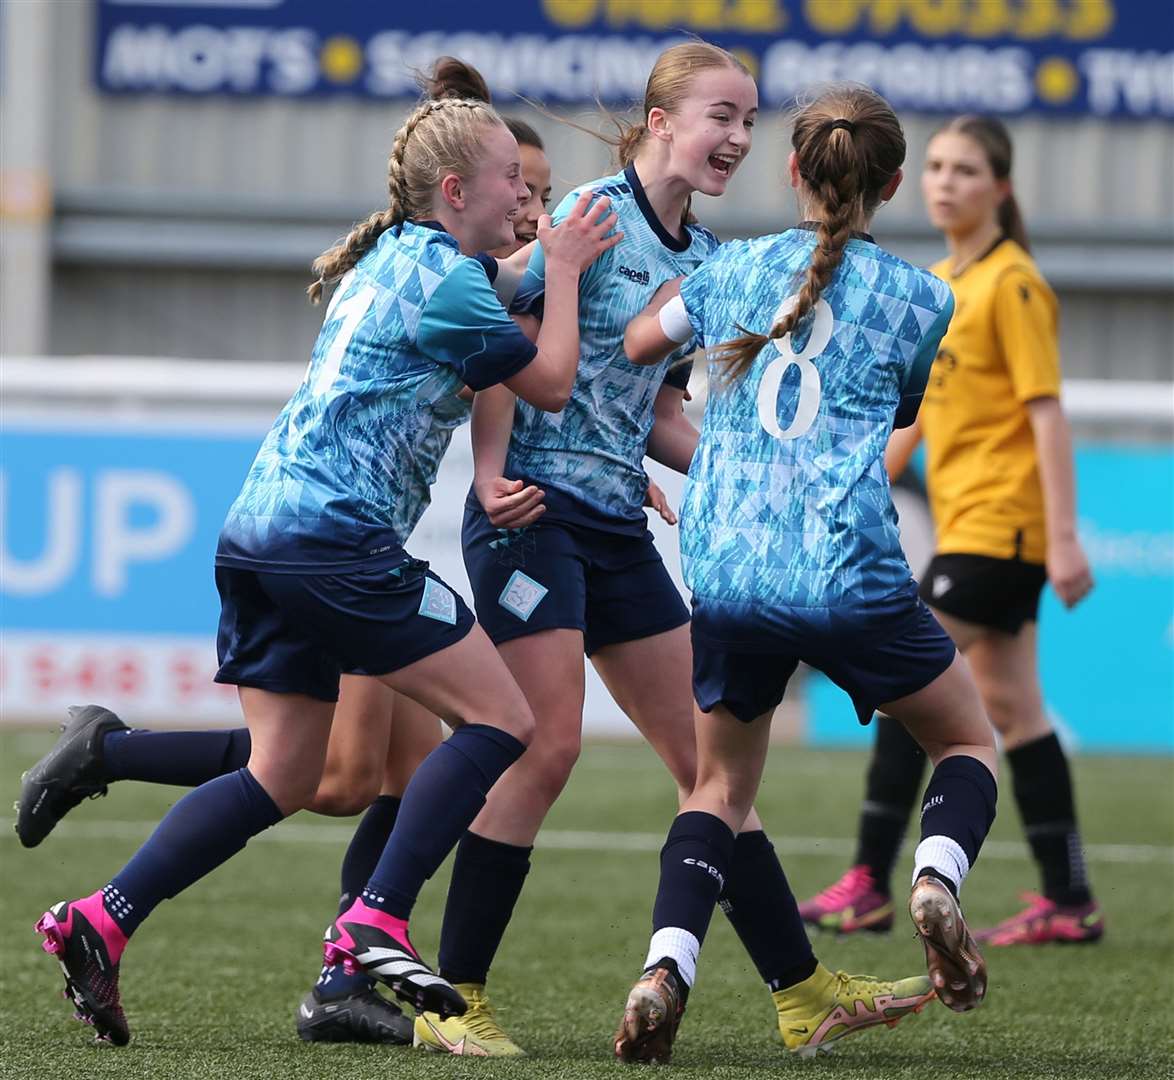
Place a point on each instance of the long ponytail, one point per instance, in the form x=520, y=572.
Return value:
x=848, y=144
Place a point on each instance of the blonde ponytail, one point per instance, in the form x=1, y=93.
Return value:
x=439, y=137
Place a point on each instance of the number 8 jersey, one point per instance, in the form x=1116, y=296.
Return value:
x=787, y=502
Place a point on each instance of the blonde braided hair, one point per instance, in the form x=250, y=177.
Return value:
x=440, y=136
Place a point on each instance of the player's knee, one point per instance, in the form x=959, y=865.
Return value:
x=548, y=763
x=511, y=715
x=724, y=796
x=520, y=724
x=684, y=772
x=557, y=758
x=342, y=793
x=1012, y=708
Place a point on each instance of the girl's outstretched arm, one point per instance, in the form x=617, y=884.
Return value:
x=660, y=328
x=510, y=271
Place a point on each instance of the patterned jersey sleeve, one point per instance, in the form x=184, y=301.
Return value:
x=464, y=326
x=532, y=288
x=917, y=374
x=699, y=286
x=694, y=290
x=1026, y=325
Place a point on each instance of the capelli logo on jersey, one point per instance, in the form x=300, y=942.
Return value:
x=637, y=277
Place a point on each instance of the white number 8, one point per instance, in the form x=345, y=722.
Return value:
x=809, y=382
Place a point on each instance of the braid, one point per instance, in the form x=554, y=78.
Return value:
x=332, y=264
x=848, y=145
x=396, y=181
x=841, y=208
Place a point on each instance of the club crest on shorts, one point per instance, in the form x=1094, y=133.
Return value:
x=521, y=595
x=438, y=603
x=942, y=584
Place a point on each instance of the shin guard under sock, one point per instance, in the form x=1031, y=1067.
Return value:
x=956, y=816
x=442, y=799
x=367, y=844
x=204, y=829
x=694, y=862
x=183, y=758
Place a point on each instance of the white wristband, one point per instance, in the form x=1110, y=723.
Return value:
x=674, y=321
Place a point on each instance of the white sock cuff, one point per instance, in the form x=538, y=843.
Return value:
x=944, y=856
x=678, y=945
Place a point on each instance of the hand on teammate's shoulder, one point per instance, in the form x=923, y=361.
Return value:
x=583, y=235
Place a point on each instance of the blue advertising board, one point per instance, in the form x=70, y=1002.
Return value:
x=1107, y=666
x=114, y=532
x=1099, y=57
x=107, y=534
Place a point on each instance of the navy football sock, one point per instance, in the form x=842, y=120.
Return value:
x=362, y=854
x=894, y=778
x=957, y=814
x=185, y=758
x=441, y=801
x=204, y=829
x=759, y=903
x=487, y=879
x=1043, y=790
x=694, y=863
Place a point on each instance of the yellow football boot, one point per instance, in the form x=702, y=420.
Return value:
x=476, y=1034
x=827, y=1006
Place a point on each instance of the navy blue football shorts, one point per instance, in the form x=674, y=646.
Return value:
x=556, y=575
x=744, y=655
x=297, y=633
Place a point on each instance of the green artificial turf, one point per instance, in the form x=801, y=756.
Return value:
x=212, y=980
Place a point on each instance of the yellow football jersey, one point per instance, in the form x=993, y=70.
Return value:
x=1000, y=352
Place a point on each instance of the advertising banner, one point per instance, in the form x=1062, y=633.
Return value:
x=107, y=534
x=1107, y=667
x=1062, y=57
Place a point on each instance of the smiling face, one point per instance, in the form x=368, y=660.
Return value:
x=536, y=175
x=710, y=130
x=491, y=198
x=960, y=188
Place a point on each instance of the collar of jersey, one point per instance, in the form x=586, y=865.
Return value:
x=435, y=226
x=978, y=258
x=812, y=226
x=662, y=234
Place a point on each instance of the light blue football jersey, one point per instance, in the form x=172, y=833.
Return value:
x=343, y=475
x=787, y=502
x=421, y=469
x=593, y=451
